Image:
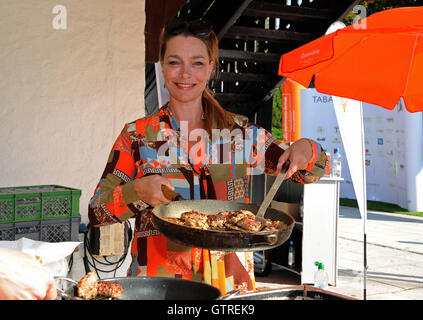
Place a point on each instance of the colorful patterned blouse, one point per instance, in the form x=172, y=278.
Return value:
x=218, y=169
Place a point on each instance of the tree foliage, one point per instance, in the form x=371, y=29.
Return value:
x=277, y=115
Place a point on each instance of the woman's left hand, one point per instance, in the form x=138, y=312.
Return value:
x=299, y=155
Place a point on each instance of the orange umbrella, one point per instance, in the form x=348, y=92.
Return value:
x=377, y=64
x=378, y=61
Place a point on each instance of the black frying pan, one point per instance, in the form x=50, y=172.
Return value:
x=154, y=288
x=220, y=240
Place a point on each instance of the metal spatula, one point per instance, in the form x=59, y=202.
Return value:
x=271, y=193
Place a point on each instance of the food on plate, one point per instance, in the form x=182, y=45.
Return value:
x=176, y=221
x=195, y=219
x=109, y=289
x=249, y=224
x=87, y=287
x=235, y=216
x=241, y=220
x=217, y=221
x=90, y=287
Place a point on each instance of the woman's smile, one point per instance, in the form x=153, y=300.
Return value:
x=185, y=86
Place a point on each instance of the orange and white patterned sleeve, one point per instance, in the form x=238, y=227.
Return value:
x=273, y=149
x=115, y=199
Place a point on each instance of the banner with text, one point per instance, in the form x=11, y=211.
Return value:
x=393, y=148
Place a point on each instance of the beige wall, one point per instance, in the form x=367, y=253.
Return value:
x=66, y=94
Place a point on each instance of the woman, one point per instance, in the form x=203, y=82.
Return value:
x=193, y=146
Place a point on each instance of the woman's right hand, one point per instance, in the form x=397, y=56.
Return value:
x=149, y=189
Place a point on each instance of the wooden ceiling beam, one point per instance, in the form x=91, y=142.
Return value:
x=157, y=12
x=249, y=56
x=287, y=13
x=249, y=33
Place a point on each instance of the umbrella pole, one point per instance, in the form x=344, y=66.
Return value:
x=365, y=266
x=364, y=209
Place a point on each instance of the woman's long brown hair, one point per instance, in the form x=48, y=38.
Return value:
x=216, y=116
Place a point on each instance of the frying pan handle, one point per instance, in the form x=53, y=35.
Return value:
x=170, y=194
x=272, y=239
x=264, y=240
x=61, y=292
x=60, y=278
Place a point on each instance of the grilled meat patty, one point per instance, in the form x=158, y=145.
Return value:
x=89, y=287
x=236, y=216
x=217, y=221
x=109, y=289
x=243, y=220
x=195, y=219
x=249, y=224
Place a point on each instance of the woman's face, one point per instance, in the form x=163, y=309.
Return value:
x=186, y=68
